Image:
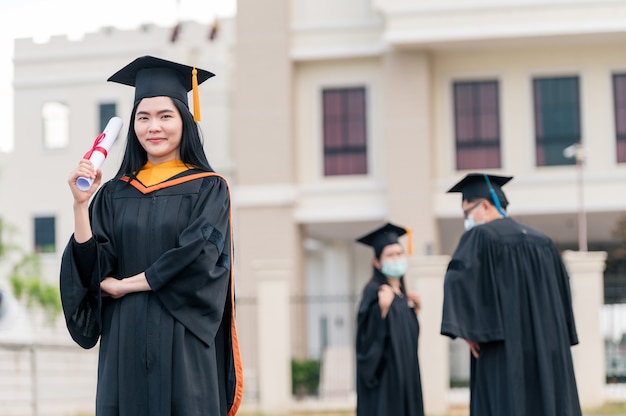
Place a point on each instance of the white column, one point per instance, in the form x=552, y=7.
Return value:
x=587, y=286
x=426, y=277
x=274, y=355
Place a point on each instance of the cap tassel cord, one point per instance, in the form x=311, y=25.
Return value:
x=409, y=245
x=196, y=96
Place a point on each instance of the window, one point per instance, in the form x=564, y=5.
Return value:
x=55, y=125
x=45, y=235
x=107, y=110
x=619, y=93
x=477, y=125
x=557, y=119
x=344, y=113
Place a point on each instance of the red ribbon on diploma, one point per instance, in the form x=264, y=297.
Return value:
x=96, y=148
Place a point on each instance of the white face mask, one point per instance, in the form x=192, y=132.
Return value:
x=394, y=268
x=470, y=223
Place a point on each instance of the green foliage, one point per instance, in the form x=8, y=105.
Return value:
x=457, y=383
x=27, y=284
x=305, y=377
x=610, y=408
x=25, y=277
x=6, y=232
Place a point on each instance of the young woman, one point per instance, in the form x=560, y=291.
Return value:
x=388, y=378
x=148, y=270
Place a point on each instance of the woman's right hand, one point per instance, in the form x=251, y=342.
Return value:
x=474, y=348
x=85, y=169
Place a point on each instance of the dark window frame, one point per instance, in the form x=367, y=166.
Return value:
x=45, y=234
x=106, y=110
x=619, y=112
x=344, y=126
x=477, y=124
x=556, y=105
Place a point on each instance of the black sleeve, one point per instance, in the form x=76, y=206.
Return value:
x=372, y=332
x=79, y=278
x=471, y=305
x=192, y=279
x=84, y=255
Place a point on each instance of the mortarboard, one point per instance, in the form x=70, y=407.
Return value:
x=480, y=185
x=155, y=77
x=384, y=236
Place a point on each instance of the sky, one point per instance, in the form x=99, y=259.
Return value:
x=40, y=19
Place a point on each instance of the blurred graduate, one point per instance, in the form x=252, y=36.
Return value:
x=148, y=269
x=387, y=367
x=507, y=293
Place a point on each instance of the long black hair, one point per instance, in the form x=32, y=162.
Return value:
x=191, y=145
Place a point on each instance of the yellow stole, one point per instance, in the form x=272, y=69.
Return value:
x=151, y=174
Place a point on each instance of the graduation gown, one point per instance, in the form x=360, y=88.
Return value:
x=172, y=350
x=388, y=378
x=507, y=288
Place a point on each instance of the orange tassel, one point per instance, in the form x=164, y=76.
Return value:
x=409, y=244
x=196, y=95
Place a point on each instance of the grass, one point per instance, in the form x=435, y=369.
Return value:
x=609, y=409
x=340, y=413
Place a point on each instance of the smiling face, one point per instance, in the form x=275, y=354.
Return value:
x=159, y=128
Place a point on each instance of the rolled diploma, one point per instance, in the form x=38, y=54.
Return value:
x=98, y=152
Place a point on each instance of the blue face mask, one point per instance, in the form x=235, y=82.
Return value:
x=394, y=268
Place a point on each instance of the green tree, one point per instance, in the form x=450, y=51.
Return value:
x=25, y=275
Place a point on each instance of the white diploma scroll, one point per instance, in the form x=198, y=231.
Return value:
x=98, y=152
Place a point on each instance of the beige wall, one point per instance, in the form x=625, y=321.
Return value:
x=408, y=142
x=515, y=69
x=264, y=149
x=544, y=197
x=262, y=139
x=310, y=79
x=263, y=125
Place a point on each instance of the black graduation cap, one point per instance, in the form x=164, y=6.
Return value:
x=155, y=77
x=384, y=236
x=479, y=185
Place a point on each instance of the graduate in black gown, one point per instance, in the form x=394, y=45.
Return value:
x=388, y=378
x=148, y=269
x=507, y=293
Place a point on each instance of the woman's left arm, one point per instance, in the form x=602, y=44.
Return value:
x=116, y=288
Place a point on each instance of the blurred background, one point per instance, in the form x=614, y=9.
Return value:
x=328, y=119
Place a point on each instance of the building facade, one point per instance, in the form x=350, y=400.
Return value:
x=330, y=118
x=349, y=114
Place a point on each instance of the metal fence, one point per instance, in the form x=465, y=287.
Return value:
x=50, y=379
x=46, y=379
x=324, y=328
x=614, y=331
x=323, y=331
x=322, y=343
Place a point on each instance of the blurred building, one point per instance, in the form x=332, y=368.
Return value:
x=330, y=118
x=372, y=110
x=349, y=114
